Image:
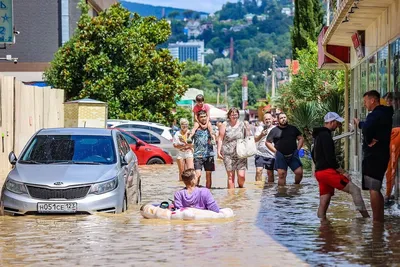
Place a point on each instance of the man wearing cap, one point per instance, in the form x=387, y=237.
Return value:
x=376, y=130
x=327, y=170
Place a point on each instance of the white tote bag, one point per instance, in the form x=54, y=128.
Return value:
x=246, y=147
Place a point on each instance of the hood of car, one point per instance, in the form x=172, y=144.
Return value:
x=62, y=174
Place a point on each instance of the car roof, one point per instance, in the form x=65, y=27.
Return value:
x=76, y=131
x=144, y=130
x=156, y=124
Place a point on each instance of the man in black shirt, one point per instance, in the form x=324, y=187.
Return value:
x=327, y=170
x=376, y=130
x=285, y=141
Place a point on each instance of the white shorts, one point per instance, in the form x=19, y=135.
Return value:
x=184, y=154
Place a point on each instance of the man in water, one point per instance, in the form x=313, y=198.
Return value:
x=203, y=149
x=265, y=158
x=327, y=170
x=288, y=141
x=376, y=131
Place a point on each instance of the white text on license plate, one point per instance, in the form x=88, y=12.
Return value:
x=57, y=207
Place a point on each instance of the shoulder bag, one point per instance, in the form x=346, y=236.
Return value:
x=246, y=147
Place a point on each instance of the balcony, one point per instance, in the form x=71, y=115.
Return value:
x=350, y=16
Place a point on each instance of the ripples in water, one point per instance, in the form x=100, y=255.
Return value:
x=271, y=221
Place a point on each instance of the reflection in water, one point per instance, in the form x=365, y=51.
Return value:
x=271, y=221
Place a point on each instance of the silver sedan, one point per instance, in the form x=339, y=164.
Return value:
x=72, y=170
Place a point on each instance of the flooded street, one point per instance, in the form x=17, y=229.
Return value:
x=274, y=226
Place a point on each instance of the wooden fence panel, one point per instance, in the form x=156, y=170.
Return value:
x=6, y=123
x=24, y=110
x=38, y=111
x=25, y=125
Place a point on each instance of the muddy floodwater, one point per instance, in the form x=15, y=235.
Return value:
x=274, y=226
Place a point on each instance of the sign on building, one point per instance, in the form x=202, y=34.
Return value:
x=6, y=22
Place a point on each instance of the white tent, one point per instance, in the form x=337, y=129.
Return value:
x=216, y=113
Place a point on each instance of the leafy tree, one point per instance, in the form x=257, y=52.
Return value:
x=185, y=113
x=196, y=15
x=113, y=58
x=304, y=27
x=235, y=93
x=311, y=93
x=254, y=20
x=318, y=16
x=173, y=14
x=188, y=14
x=192, y=68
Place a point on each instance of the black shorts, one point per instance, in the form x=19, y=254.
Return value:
x=207, y=163
x=263, y=162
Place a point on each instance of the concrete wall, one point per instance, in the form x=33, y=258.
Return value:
x=24, y=110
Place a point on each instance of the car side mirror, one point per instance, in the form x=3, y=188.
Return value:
x=140, y=143
x=127, y=158
x=12, y=158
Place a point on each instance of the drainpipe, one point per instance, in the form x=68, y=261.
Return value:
x=346, y=105
x=64, y=21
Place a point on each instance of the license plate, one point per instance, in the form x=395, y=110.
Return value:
x=57, y=207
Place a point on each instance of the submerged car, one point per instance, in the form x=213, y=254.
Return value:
x=147, y=154
x=72, y=170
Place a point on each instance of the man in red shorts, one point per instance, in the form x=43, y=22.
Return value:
x=327, y=170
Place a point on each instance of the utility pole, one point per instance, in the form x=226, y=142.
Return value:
x=218, y=97
x=273, y=76
x=226, y=94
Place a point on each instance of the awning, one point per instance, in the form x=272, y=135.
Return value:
x=216, y=113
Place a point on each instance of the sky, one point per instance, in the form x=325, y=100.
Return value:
x=209, y=6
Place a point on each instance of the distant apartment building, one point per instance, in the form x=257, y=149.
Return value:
x=44, y=25
x=193, y=50
x=193, y=29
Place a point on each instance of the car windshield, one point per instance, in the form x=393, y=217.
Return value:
x=69, y=149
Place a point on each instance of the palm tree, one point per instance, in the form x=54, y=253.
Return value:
x=305, y=117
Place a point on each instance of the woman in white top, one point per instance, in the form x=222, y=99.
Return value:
x=184, y=158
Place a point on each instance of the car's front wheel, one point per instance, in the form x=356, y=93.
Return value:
x=155, y=161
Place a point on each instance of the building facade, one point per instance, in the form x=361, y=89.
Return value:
x=370, y=29
x=43, y=26
x=188, y=51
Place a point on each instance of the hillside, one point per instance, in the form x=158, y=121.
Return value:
x=149, y=10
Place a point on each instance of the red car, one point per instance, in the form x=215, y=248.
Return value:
x=146, y=153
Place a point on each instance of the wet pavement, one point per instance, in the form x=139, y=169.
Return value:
x=274, y=226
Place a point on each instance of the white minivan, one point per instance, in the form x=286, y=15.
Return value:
x=127, y=125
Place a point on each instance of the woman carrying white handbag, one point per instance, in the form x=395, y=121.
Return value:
x=232, y=133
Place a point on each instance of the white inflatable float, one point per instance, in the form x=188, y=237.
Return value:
x=150, y=211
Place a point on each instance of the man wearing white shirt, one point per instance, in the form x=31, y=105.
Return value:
x=265, y=158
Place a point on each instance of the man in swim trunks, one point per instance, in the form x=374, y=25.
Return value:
x=327, y=170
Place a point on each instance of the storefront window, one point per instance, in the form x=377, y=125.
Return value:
x=395, y=66
x=363, y=88
x=394, y=98
x=372, y=73
x=383, y=58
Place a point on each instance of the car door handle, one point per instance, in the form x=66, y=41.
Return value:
x=147, y=149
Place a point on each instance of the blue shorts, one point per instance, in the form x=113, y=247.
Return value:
x=263, y=162
x=282, y=162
